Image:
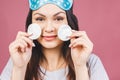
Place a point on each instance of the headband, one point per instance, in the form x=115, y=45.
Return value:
x=64, y=4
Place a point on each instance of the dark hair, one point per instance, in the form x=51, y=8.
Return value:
x=33, y=68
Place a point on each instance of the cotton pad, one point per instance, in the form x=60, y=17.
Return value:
x=64, y=32
x=35, y=31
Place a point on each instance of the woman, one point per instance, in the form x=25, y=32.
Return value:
x=52, y=58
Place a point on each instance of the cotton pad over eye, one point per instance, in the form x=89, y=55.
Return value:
x=64, y=32
x=35, y=31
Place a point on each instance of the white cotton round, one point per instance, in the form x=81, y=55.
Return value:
x=35, y=31
x=64, y=32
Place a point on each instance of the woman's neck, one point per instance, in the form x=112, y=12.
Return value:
x=54, y=58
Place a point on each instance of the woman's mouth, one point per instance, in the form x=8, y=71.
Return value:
x=49, y=38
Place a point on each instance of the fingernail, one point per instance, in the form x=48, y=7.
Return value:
x=70, y=45
x=73, y=30
x=33, y=45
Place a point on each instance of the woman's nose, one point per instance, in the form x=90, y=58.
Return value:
x=49, y=27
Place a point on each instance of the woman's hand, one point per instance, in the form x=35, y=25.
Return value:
x=21, y=49
x=81, y=47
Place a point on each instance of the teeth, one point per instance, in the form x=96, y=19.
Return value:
x=35, y=31
x=64, y=32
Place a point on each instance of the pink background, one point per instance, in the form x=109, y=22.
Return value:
x=99, y=18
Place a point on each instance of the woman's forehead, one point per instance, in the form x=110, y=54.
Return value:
x=49, y=9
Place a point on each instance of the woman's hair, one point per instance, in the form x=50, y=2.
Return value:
x=33, y=69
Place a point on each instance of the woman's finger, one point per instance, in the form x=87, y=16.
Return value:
x=27, y=40
x=16, y=47
x=20, y=33
x=82, y=40
x=21, y=44
x=77, y=34
x=78, y=42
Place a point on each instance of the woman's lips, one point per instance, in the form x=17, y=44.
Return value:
x=49, y=38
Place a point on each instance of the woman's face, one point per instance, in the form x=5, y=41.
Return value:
x=50, y=17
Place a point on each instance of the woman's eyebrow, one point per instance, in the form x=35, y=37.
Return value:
x=39, y=14
x=53, y=15
x=59, y=13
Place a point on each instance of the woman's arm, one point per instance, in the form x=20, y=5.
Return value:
x=18, y=73
x=20, y=51
x=9, y=71
x=81, y=48
x=81, y=73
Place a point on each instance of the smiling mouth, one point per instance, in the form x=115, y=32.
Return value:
x=49, y=38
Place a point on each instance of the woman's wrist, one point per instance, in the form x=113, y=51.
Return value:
x=81, y=68
x=18, y=73
x=81, y=72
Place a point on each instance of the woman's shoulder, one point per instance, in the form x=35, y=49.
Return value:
x=96, y=68
x=94, y=62
x=93, y=59
x=6, y=72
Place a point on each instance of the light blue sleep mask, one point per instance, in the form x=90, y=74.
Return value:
x=64, y=4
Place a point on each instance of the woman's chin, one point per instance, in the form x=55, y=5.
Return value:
x=50, y=45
